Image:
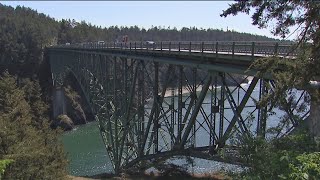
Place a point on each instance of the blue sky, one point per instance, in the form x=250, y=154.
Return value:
x=202, y=14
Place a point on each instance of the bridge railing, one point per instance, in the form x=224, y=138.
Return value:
x=266, y=48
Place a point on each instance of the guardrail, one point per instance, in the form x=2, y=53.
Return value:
x=238, y=47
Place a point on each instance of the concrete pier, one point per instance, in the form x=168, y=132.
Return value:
x=59, y=102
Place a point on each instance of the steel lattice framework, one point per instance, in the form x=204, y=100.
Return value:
x=171, y=98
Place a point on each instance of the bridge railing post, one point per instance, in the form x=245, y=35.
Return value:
x=217, y=48
x=141, y=45
x=212, y=47
x=244, y=50
x=135, y=46
x=179, y=46
x=202, y=48
x=161, y=46
x=130, y=45
x=147, y=46
x=276, y=47
x=252, y=49
x=233, y=45
x=170, y=46
x=190, y=47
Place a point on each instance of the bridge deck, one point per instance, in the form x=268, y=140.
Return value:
x=232, y=57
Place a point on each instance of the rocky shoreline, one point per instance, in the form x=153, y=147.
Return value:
x=163, y=171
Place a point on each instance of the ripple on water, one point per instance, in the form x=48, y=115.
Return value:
x=86, y=151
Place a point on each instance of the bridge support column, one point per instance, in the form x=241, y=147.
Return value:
x=59, y=104
x=313, y=121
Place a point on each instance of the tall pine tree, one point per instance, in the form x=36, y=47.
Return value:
x=29, y=141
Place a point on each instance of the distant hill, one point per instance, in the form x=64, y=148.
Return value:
x=75, y=32
x=24, y=33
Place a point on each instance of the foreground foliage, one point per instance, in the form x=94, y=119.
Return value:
x=307, y=166
x=291, y=157
x=25, y=134
x=3, y=164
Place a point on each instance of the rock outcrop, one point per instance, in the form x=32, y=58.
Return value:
x=64, y=122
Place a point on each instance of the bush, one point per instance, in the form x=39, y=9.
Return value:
x=307, y=166
x=292, y=157
x=3, y=164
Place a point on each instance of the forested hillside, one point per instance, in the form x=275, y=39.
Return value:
x=23, y=34
x=26, y=139
x=75, y=32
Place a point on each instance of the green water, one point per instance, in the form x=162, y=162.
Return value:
x=86, y=152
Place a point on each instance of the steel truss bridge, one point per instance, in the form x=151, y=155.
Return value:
x=171, y=98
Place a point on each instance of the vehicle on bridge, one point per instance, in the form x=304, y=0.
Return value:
x=125, y=38
x=150, y=44
x=101, y=42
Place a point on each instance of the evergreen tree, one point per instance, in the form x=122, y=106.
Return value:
x=36, y=154
x=39, y=109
